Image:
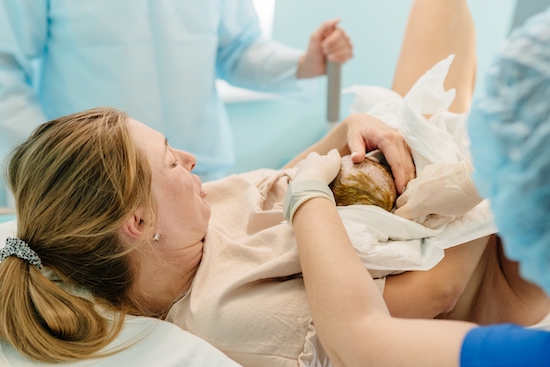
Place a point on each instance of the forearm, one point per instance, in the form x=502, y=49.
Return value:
x=348, y=311
x=24, y=30
x=265, y=65
x=20, y=111
x=335, y=139
x=329, y=262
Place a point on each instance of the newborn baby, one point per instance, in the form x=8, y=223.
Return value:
x=369, y=183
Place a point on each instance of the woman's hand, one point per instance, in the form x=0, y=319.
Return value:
x=327, y=43
x=366, y=133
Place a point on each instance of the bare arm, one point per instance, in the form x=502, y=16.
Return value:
x=349, y=313
x=335, y=139
x=24, y=30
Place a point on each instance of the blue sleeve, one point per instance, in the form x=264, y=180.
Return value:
x=23, y=36
x=505, y=345
x=247, y=60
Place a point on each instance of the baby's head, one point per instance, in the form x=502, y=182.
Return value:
x=368, y=183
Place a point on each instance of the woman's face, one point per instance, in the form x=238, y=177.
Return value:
x=182, y=217
x=177, y=192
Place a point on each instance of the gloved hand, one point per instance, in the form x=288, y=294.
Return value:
x=439, y=194
x=314, y=175
x=319, y=167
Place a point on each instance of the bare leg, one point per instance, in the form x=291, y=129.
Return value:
x=497, y=293
x=436, y=29
x=426, y=294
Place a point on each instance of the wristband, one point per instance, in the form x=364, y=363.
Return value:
x=299, y=192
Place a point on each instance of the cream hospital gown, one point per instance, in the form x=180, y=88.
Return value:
x=248, y=297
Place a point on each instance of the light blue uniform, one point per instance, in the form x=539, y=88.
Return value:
x=155, y=59
x=509, y=128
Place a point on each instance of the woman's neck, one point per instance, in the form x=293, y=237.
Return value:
x=163, y=283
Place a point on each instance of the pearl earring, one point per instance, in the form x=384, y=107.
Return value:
x=156, y=237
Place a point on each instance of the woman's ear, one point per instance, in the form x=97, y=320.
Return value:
x=134, y=226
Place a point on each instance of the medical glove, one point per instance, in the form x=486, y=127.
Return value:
x=311, y=181
x=439, y=194
x=322, y=168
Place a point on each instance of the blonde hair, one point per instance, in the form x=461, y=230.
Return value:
x=75, y=181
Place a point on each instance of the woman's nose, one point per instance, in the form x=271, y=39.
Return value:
x=189, y=161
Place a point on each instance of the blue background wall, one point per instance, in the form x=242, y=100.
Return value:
x=269, y=133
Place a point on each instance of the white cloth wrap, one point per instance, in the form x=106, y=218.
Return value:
x=440, y=138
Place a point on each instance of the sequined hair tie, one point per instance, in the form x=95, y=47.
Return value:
x=20, y=249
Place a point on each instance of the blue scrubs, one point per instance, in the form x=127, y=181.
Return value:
x=505, y=345
x=510, y=129
x=156, y=59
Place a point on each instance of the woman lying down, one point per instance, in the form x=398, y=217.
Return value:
x=148, y=243
x=217, y=260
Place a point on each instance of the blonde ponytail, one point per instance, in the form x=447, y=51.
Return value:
x=45, y=322
x=75, y=181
